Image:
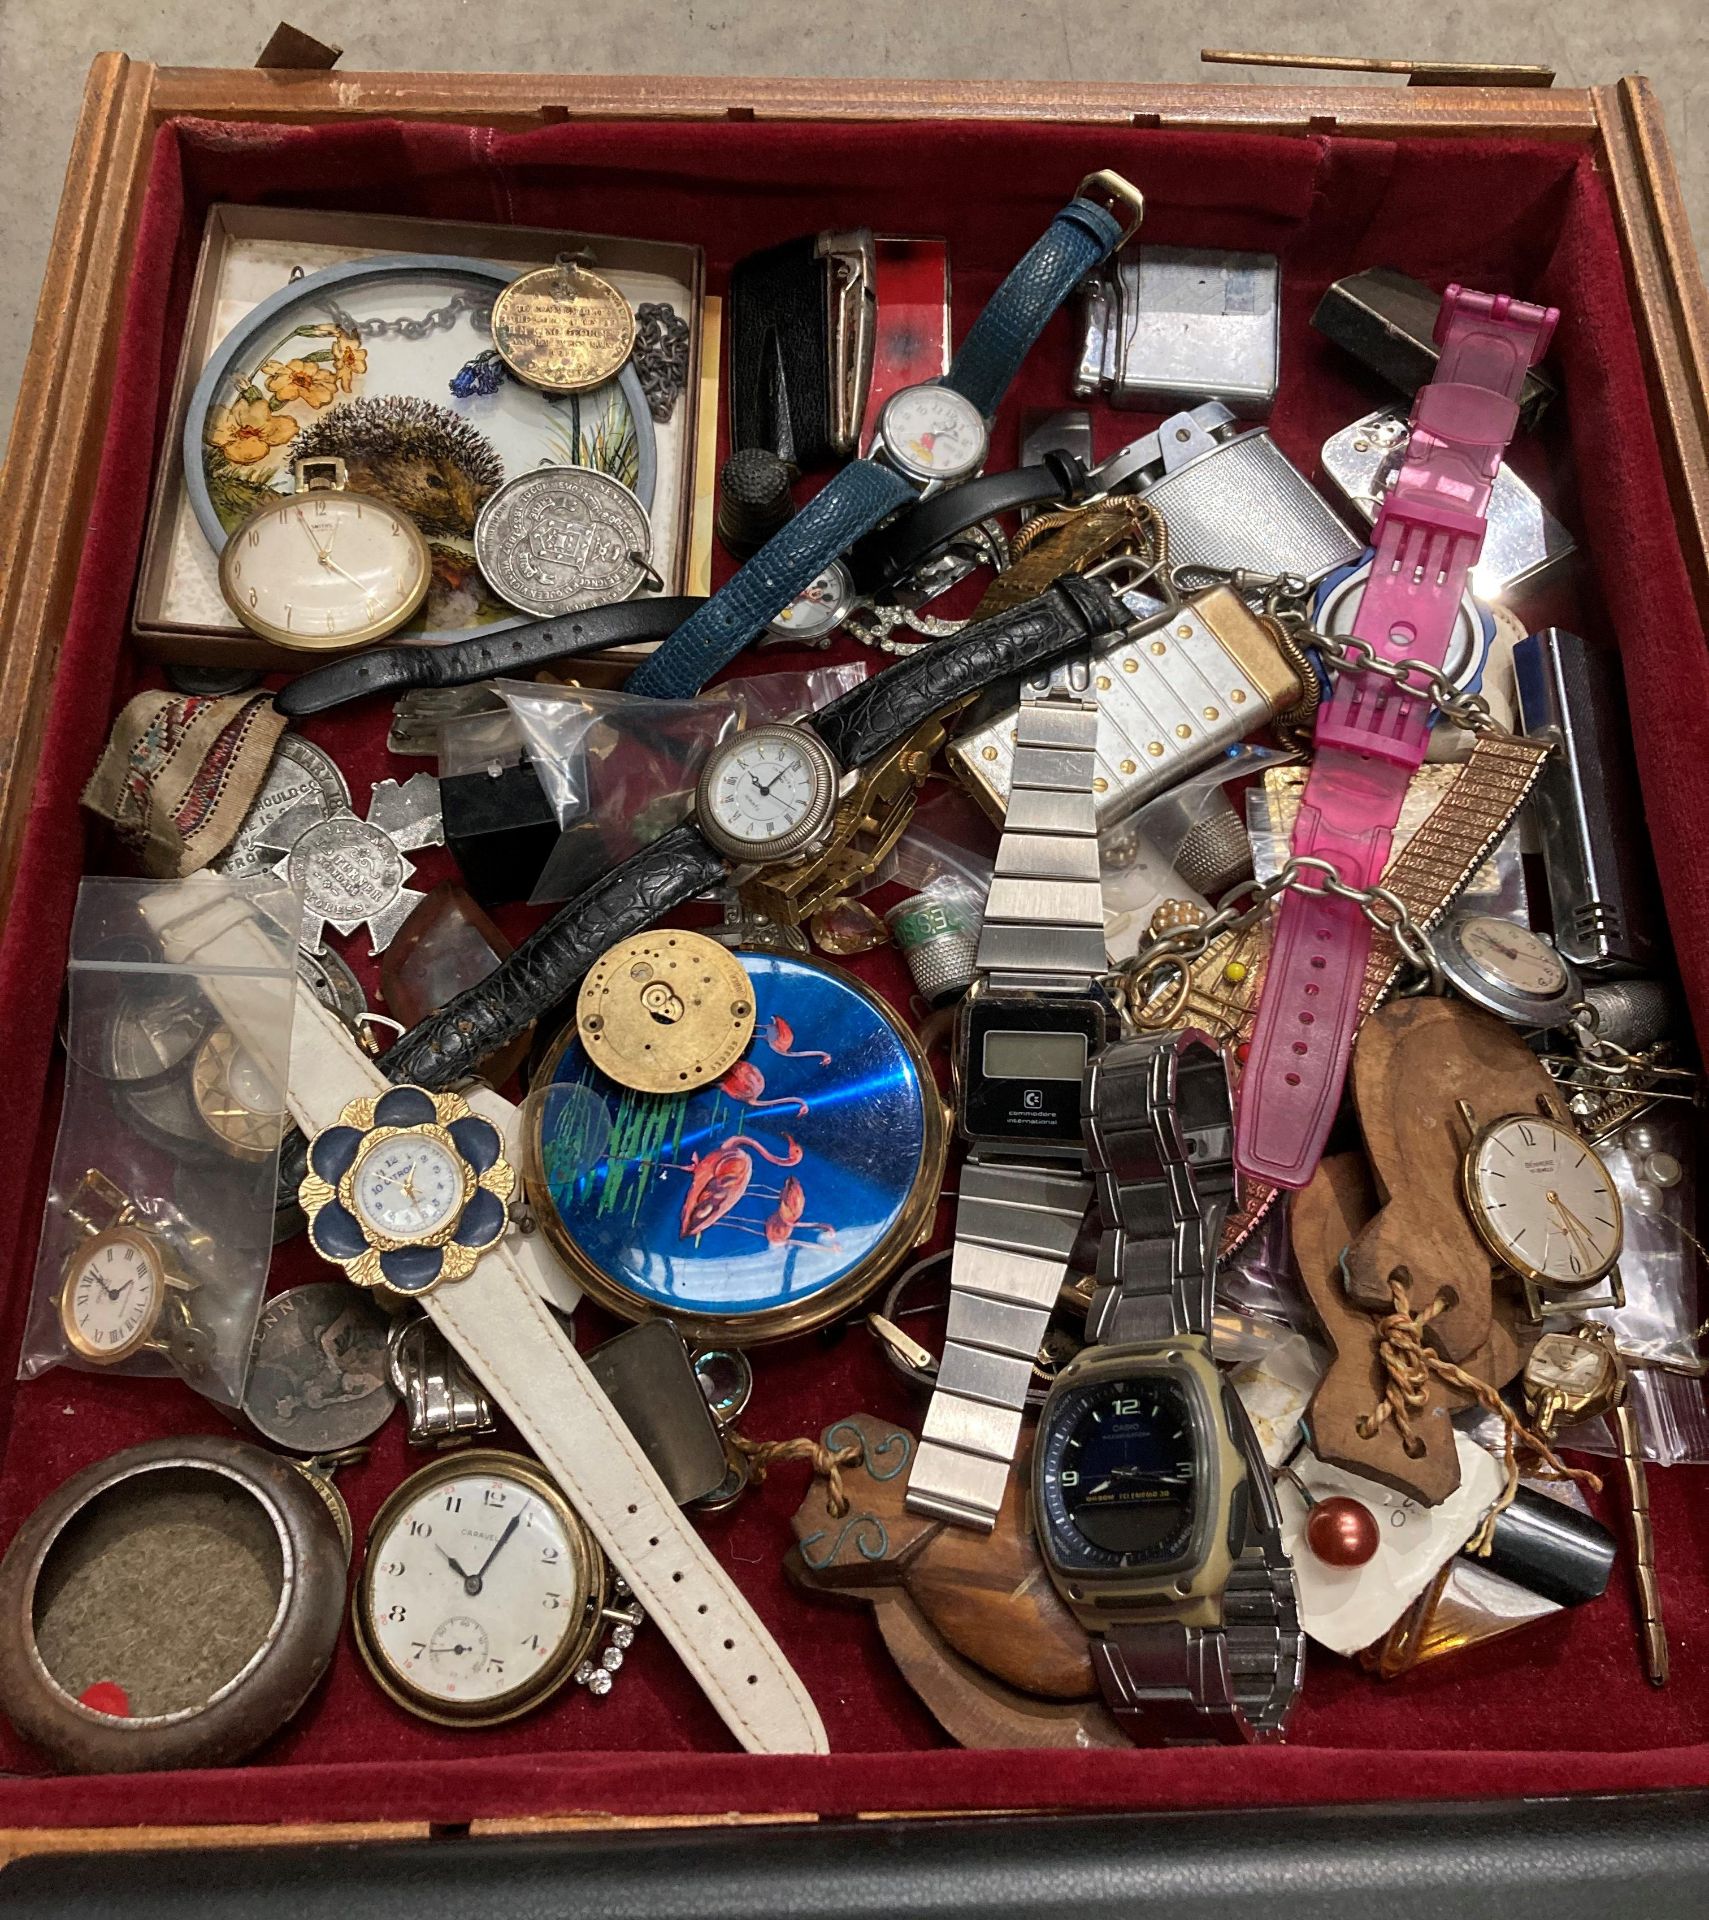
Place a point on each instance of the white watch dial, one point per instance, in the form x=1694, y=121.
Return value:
x=325, y=568
x=473, y=1590
x=407, y=1187
x=763, y=787
x=113, y=1295
x=1544, y=1202
x=933, y=433
x=819, y=608
x=1511, y=956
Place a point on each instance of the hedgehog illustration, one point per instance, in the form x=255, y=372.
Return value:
x=415, y=456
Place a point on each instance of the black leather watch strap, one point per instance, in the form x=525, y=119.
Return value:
x=510, y=650
x=1067, y=618
x=899, y=546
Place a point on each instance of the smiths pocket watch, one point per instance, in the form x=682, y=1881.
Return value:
x=325, y=566
x=482, y=1593
x=1543, y=1203
x=122, y=1293
x=172, y=1606
x=1507, y=970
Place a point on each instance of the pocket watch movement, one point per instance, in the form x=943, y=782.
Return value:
x=482, y=1593
x=325, y=566
x=1507, y=970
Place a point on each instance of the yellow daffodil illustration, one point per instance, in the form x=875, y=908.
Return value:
x=289, y=380
x=248, y=431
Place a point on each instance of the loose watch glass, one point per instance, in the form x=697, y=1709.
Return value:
x=114, y=1288
x=1543, y=1201
x=1121, y=1474
x=407, y=1186
x=767, y=794
x=324, y=567
x=933, y=434
x=480, y=1592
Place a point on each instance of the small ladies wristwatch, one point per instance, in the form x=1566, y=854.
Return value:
x=930, y=437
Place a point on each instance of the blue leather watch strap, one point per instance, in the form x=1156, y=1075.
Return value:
x=850, y=504
x=1081, y=235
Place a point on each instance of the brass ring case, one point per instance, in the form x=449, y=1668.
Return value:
x=250, y=1706
x=593, y=1573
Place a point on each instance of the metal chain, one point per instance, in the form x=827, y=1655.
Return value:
x=436, y=320
x=1352, y=655
x=1134, y=984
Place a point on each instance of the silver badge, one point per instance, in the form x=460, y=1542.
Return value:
x=562, y=538
x=318, y=1381
x=302, y=786
x=349, y=870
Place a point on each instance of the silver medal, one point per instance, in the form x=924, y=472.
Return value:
x=562, y=538
x=349, y=870
x=302, y=786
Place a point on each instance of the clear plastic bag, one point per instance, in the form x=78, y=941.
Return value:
x=161, y=1204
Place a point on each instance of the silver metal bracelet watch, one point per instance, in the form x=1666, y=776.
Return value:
x=1032, y=1020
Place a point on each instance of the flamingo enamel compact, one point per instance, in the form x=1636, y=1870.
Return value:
x=761, y=1205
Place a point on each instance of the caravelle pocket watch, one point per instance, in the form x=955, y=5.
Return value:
x=123, y=1292
x=325, y=566
x=482, y=1593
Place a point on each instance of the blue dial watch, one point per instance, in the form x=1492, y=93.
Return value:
x=929, y=437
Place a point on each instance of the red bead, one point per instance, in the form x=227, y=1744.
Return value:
x=1341, y=1532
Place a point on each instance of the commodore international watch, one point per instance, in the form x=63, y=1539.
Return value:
x=930, y=437
x=1153, y=1504
x=1031, y=1022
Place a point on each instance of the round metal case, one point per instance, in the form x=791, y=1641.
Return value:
x=768, y=794
x=1507, y=970
x=170, y=1607
x=764, y=1204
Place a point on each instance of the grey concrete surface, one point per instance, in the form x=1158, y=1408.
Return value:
x=46, y=47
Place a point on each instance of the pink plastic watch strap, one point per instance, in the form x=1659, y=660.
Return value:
x=1370, y=738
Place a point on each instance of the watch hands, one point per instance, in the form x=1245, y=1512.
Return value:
x=332, y=566
x=320, y=551
x=515, y=1522
x=458, y=1571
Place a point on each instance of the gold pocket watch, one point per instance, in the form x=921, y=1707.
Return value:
x=482, y=1593
x=1545, y=1206
x=325, y=567
x=122, y=1292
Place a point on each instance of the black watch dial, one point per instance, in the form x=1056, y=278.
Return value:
x=1020, y=1062
x=1121, y=1478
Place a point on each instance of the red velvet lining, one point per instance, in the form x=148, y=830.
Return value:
x=1562, y=1708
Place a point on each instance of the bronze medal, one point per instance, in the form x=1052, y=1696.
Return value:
x=563, y=329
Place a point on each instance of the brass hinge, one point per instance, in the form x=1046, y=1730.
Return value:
x=1419, y=73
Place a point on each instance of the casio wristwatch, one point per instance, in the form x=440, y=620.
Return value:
x=1154, y=1507
x=788, y=811
x=1371, y=732
x=1034, y=1016
x=929, y=437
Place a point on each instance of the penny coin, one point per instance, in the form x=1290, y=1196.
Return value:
x=318, y=1379
x=563, y=329
x=558, y=539
x=303, y=785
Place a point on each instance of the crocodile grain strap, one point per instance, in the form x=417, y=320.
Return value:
x=1370, y=738
x=849, y=504
x=1065, y=619
x=1081, y=235
x=514, y=650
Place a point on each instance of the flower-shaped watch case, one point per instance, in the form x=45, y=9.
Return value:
x=407, y=1189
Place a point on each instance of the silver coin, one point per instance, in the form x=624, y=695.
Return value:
x=558, y=539
x=333, y=984
x=303, y=785
x=317, y=1376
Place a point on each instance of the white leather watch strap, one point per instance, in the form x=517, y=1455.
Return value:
x=505, y=1334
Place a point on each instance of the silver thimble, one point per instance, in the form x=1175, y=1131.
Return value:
x=1634, y=1014
x=1214, y=853
x=939, y=937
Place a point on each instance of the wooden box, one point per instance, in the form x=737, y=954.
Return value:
x=1567, y=196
